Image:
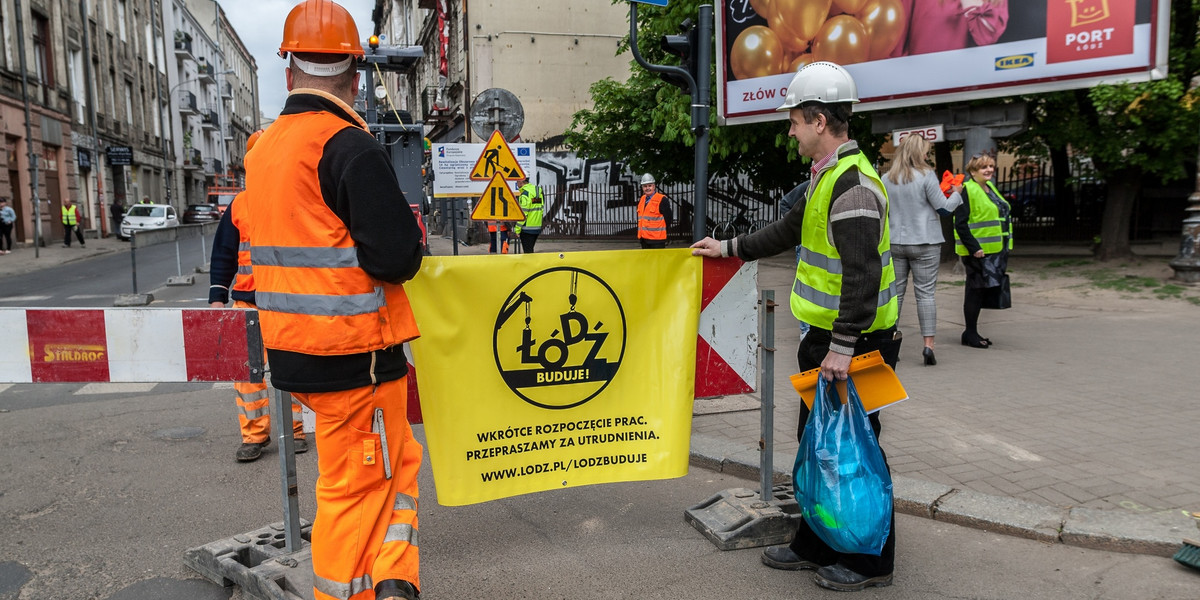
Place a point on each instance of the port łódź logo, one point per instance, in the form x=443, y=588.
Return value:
x=559, y=338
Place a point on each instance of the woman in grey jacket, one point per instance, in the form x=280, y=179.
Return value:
x=915, y=201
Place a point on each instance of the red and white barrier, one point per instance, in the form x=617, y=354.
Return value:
x=727, y=341
x=129, y=345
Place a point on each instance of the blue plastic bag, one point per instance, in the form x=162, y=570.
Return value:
x=842, y=483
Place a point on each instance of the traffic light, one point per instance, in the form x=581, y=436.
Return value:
x=683, y=46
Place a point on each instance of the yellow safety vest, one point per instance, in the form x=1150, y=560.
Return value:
x=817, y=291
x=68, y=215
x=984, y=221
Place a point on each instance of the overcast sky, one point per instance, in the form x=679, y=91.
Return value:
x=259, y=23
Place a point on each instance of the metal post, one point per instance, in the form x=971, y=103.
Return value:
x=1187, y=264
x=203, y=248
x=281, y=415
x=178, y=259
x=454, y=224
x=700, y=112
x=133, y=259
x=37, y=209
x=766, y=390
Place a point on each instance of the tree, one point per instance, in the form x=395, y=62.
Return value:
x=1130, y=131
x=645, y=122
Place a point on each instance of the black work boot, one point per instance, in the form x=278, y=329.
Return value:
x=396, y=589
x=782, y=557
x=250, y=451
x=838, y=577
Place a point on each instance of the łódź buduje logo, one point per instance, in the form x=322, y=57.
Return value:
x=559, y=338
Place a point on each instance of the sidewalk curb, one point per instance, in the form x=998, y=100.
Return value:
x=1158, y=534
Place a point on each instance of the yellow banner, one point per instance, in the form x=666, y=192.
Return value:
x=545, y=371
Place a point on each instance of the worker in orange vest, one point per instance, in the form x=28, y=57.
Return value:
x=230, y=264
x=332, y=243
x=654, y=215
x=498, y=232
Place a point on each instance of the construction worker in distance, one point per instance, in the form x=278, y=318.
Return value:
x=70, y=223
x=654, y=215
x=230, y=263
x=529, y=197
x=498, y=233
x=844, y=287
x=332, y=240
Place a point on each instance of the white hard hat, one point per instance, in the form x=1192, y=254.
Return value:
x=822, y=82
x=647, y=178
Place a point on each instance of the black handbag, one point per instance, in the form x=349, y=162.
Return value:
x=999, y=297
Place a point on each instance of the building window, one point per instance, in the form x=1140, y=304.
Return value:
x=121, y=19
x=43, y=55
x=78, y=91
x=129, y=103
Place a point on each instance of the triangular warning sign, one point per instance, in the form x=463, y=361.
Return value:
x=497, y=203
x=497, y=157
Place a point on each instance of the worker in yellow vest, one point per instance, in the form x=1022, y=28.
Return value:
x=70, y=221
x=529, y=197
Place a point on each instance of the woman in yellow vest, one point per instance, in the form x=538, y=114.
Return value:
x=983, y=238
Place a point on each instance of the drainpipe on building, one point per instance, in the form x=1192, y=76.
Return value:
x=33, y=166
x=97, y=162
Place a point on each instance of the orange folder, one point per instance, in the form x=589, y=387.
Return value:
x=875, y=381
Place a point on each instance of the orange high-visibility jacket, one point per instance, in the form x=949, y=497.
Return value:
x=313, y=296
x=651, y=224
x=243, y=281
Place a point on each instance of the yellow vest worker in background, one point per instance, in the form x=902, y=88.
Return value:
x=230, y=263
x=529, y=196
x=332, y=239
x=70, y=223
x=843, y=288
x=654, y=215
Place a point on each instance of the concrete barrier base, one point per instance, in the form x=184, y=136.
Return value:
x=738, y=518
x=134, y=300
x=257, y=563
x=181, y=280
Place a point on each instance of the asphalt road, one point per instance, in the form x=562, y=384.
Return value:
x=96, y=282
x=101, y=496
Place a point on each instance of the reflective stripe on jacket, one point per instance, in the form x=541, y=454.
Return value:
x=530, y=199
x=313, y=296
x=68, y=215
x=986, y=225
x=817, y=290
x=651, y=224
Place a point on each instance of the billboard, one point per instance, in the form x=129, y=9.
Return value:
x=453, y=163
x=916, y=52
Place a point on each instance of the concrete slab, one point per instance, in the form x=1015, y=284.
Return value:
x=133, y=300
x=1001, y=515
x=917, y=497
x=1154, y=533
x=181, y=280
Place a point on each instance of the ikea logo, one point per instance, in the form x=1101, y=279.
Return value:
x=1015, y=61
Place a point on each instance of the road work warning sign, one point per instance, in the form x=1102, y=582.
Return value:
x=498, y=203
x=496, y=157
x=578, y=373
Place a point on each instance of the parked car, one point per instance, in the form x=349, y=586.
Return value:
x=201, y=213
x=1029, y=198
x=141, y=217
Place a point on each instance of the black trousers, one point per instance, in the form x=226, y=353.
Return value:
x=528, y=240
x=653, y=244
x=67, y=234
x=6, y=236
x=806, y=544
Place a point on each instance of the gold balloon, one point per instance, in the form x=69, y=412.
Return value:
x=796, y=22
x=756, y=52
x=800, y=61
x=842, y=40
x=849, y=6
x=886, y=23
x=762, y=7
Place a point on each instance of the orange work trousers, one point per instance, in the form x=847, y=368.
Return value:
x=366, y=525
x=254, y=411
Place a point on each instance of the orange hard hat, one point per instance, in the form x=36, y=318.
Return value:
x=253, y=139
x=320, y=27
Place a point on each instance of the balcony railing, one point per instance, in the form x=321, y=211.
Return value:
x=192, y=159
x=213, y=166
x=205, y=73
x=183, y=45
x=187, y=102
x=227, y=90
x=434, y=106
x=209, y=119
